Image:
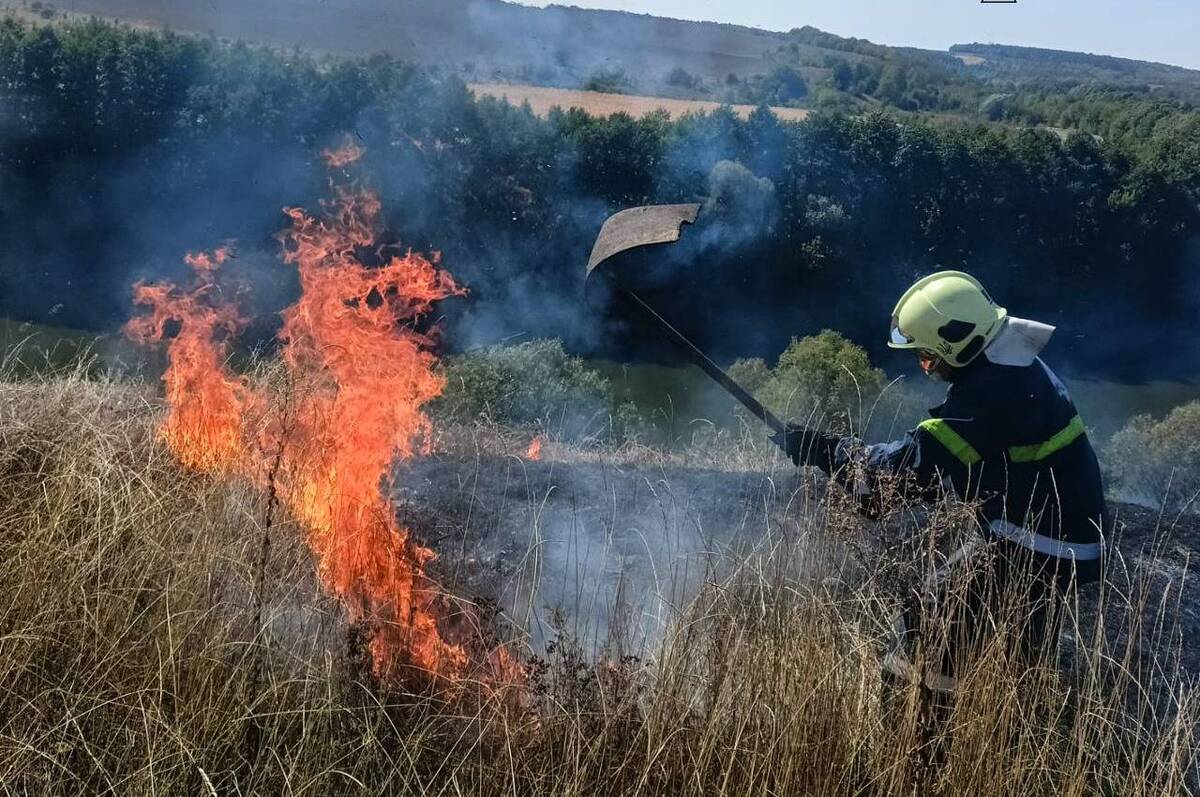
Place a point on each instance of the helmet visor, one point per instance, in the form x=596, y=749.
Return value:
x=898, y=338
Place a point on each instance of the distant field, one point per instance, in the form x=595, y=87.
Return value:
x=541, y=100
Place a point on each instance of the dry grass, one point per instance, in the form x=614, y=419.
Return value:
x=596, y=103
x=157, y=637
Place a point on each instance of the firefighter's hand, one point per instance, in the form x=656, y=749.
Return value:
x=805, y=446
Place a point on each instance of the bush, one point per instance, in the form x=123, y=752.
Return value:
x=822, y=375
x=608, y=81
x=535, y=384
x=995, y=106
x=784, y=85
x=681, y=78
x=1158, y=460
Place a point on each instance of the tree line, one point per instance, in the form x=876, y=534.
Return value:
x=123, y=149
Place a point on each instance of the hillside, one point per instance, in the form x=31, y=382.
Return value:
x=567, y=47
x=1035, y=63
x=220, y=137
x=479, y=35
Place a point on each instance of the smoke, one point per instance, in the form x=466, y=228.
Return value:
x=92, y=233
x=740, y=207
x=513, y=206
x=594, y=552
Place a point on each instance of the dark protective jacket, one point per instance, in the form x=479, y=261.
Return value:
x=1010, y=438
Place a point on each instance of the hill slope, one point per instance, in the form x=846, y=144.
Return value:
x=1035, y=63
x=567, y=46
x=489, y=34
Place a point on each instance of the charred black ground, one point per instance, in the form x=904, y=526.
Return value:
x=615, y=541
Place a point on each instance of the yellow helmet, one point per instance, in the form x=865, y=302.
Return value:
x=948, y=314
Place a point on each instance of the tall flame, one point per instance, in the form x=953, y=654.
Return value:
x=207, y=407
x=360, y=373
x=363, y=374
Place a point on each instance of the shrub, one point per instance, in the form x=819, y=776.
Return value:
x=995, y=106
x=608, y=81
x=535, y=384
x=821, y=375
x=1158, y=460
x=681, y=78
x=784, y=85
x=743, y=202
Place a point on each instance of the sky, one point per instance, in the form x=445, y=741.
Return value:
x=1150, y=30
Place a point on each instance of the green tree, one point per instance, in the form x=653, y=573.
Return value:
x=824, y=378
x=784, y=85
x=893, y=85
x=681, y=78
x=842, y=76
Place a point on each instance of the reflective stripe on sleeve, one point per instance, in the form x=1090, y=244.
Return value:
x=952, y=440
x=1077, y=551
x=1039, y=451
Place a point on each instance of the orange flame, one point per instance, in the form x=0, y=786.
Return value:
x=535, y=450
x=360, y=374
x=364, y=373
x=343, y=156
x=207, y=407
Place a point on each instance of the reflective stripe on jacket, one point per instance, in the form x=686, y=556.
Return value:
x=1010, y=438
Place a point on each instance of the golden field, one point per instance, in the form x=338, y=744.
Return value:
x=542, y=99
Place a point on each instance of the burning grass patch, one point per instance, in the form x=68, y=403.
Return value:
x=158, y=637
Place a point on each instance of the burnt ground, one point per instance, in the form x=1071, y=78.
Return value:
x=570, y=546
x=603, y=549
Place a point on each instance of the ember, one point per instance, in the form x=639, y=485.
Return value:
x=535, y=450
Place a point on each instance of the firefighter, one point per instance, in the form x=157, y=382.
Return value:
x=1007, y=438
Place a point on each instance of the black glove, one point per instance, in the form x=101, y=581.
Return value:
x=807, y=446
